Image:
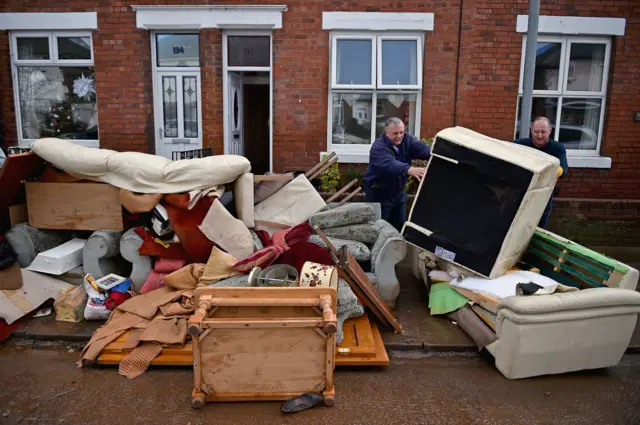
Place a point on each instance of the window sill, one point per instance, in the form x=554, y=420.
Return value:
x=350, y=157
x=589, y=162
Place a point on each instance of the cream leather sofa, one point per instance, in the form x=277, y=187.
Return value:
x=563, y=332
x=549, y=334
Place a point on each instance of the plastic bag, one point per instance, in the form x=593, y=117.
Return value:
x=96, y=308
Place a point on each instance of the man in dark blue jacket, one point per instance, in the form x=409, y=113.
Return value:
x=540, y=132
x=389, y=170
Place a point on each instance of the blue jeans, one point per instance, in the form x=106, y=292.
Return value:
x=393, y=206
x=545, y=215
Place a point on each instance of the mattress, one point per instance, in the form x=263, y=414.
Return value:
x=480, y=200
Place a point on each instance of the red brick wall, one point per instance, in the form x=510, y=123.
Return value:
x=486, y=86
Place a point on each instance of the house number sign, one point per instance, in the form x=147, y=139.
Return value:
x=178, y=50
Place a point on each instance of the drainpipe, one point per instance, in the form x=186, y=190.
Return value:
x=457, y=79
x=529, y=67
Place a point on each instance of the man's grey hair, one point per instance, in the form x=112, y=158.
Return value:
x=393, y=121
x=545, y=119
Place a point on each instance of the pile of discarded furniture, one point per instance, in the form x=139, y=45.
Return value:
x=539, y=303
x=199, y=262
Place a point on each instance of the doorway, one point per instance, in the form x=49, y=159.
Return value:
x=248, y=97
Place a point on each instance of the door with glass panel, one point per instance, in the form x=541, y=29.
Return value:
x=179, y=112
x=177, y=93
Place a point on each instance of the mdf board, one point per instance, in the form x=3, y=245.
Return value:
x=74, y=206
x=480, y=200
x=263, y=343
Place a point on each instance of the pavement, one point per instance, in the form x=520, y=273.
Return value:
x=43, y=386
x=421, y=331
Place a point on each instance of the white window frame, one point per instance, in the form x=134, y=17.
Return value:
x=334, y=60
x=418, y=84
x=579, y=157
x=52, y=61
x=157, y=72
x=360, y=153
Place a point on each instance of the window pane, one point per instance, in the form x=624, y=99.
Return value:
x=353, y=62
x=77, y=48
x=249, y=51
x=178, y=49
x=547, y=66
x=190, y=106
x=33, y=48
x=580, y=123
x=170, y=106
x=402, y=106
x=352, y=118
x=58, y=102
x=540, y=107
x=399, y=62
x=586, y=66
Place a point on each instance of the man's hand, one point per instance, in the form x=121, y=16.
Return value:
x=417, y=172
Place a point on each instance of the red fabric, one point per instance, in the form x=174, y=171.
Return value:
x=281, y=243
x=185, y=223
x=167, y=265
x=305, y=251
x=264, y=237
x=154, y=249
x=115, y=299
x=161, y=268
x=154, y=281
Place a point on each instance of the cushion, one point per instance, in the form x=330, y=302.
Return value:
x=229, y=233
x=291, y=205
x=243, y=195
x=365, y=233
x=141, y=172
x=343, y=216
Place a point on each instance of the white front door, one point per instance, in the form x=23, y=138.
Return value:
x=235, y=119
x=178, y=112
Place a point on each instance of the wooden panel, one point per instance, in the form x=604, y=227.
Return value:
x=16, y=169
x=18, y=214
x=358, y=338
x=259, y=361
x=264, y=312
x=485, y=301
x=381, y=357
x=74, y=206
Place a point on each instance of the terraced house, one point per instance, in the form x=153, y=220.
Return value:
x=283, y=82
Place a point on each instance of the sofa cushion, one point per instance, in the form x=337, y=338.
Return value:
x=141, y=172
x=343, y=216
x=243, y=196
x=364, y=233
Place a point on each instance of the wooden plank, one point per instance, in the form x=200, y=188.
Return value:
x=568, y=257
x=357, y=338
x=242, y=295
x=485, y=315
x=18, y=214
x=373, y=300
x=243, y=323
x=341, y=191
x=320, y=164
x=259, y=361
x=349, y=196
x=17, y=169
x=322, y=169
x=380, y=359
x=74, y=206
x=485, y=301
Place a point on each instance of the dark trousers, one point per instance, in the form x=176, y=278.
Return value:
x=394, y=206
x=545, y=215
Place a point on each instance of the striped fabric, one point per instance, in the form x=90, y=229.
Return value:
x=137, y=362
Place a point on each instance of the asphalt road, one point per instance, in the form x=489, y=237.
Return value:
x=43, y=386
